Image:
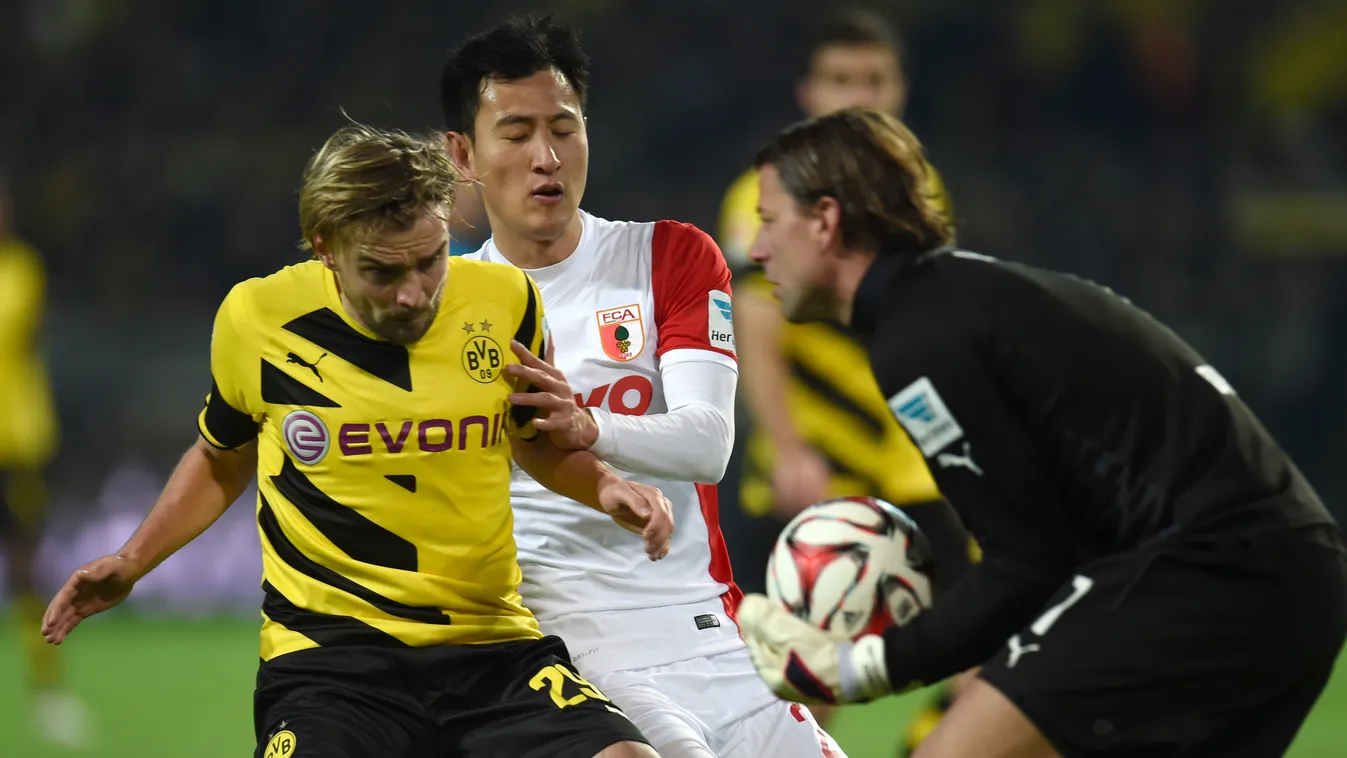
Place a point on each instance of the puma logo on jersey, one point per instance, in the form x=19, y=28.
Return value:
x=950, y=460
x=1018, y=649
x=294, y=358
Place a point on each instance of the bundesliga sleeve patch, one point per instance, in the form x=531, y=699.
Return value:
x=921, y=411
x=720, y=320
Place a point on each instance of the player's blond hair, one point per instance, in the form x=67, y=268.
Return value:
x=365, y=180
x=873, y=166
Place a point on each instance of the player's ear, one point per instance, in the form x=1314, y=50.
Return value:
x=459, y=147
x=324, y=252
x=827, y=218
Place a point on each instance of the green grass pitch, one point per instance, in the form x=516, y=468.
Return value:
x=173, y=688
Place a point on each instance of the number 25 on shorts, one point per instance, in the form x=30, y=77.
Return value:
x=554, y=678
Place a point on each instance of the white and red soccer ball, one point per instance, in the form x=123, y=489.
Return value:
x=851, y=566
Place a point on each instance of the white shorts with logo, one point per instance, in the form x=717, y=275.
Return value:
x=714, y=707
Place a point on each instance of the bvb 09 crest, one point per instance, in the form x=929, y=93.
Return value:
x=621, y=332
x=483, y=359
x=281, y=745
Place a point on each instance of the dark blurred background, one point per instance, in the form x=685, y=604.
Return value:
x=1188, y=153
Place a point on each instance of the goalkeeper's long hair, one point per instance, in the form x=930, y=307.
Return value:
x=873, y=166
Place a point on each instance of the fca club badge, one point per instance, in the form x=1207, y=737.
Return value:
x=621, y=332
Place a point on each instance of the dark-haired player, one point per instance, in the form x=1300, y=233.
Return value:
x=644, y=377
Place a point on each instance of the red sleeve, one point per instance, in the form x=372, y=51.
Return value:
x=691, y=286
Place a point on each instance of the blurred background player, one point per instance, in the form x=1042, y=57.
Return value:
x=819, y=427
x=28, y=440
x=643, y=376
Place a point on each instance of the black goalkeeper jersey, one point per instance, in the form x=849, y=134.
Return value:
x=1063, y=424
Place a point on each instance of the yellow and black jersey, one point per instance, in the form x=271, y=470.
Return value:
x=383, y=470
x=28, y=430
x=837, y=408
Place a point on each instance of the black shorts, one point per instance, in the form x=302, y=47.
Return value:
x=520, y=699
x=1217, y=648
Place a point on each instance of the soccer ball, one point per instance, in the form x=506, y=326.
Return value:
x=851, y=566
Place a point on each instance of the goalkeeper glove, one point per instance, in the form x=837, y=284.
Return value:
x=801, y=663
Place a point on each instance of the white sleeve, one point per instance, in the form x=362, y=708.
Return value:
x=691, y=442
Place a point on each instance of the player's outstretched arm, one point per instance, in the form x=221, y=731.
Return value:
x=700, y=398
x=204, y=484
x=580, y=476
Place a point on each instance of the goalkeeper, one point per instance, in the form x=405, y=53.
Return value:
x=1158, y=578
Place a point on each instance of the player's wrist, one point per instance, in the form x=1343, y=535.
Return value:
x=606, y=478
x=589, y=432
x=135, y=563
x=862, y=670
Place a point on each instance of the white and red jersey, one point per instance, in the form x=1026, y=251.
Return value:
x=633, y=303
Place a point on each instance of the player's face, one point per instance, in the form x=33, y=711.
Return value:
x=791, y=246
x=392, y=282
x=853, y=76
x=531, y=154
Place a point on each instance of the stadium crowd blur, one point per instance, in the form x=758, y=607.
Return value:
x=1190, y=154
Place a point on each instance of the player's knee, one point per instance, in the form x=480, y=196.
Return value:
x=984, y=723
x=628, y=750
x=961, y=681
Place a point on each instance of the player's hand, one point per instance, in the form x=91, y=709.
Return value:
x=800, y=477
x=93, y=588
x=642, y=509
x=801, y=663
x=570, y=426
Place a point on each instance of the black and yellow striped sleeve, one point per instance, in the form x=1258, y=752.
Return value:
x=531, y=333
x=231, y=416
